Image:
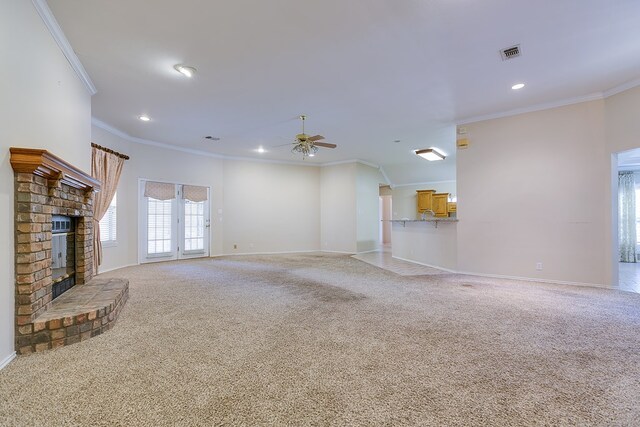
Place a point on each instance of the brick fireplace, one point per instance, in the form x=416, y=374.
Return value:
x=45, y=188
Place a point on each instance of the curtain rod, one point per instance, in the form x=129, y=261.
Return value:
x=108, y=150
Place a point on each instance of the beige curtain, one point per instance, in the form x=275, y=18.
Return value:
x=106, y=167
x=194, y=193
x=159, y=190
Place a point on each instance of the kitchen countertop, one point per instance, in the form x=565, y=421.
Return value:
x=431, y=220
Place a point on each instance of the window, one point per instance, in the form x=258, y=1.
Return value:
x=159, y=226
x=637, y=214
x=193, y=226
x=108, y=223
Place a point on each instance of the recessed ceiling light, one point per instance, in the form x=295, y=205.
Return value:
x=261, y=150
x=185, y=70
x=144, y=118
x=312, y=155
x=431, y=154
x=517, y=86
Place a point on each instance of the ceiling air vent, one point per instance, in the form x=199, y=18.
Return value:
x=510, y=52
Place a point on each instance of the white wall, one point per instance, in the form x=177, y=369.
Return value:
x=405, y=201
x=385, y=218
x=533, y=188
x=161, y=164
x=338, y=208
x=271, y=207
x=422, y=242
x=368, y=180
x=42, y=105
x=622, y=128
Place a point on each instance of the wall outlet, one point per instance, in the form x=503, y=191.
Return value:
x=235, y=246
x=538, y=266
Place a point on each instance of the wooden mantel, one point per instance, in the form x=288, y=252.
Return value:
x=43, y=163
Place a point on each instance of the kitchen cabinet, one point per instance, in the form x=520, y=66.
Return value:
x=439, y=204
x=424, y=200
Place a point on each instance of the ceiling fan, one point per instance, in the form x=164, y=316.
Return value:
x=308, y=145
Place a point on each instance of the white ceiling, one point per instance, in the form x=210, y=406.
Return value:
x=366, y=72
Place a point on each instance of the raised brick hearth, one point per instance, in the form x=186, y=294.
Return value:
x=44, y=186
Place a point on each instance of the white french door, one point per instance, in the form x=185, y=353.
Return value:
x=174, y=221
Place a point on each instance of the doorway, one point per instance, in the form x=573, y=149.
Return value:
x=174, y=221
x=628, y=220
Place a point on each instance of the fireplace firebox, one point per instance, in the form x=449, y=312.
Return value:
x=63, y=254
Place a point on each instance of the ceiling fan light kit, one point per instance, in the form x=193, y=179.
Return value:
x=308, y=145
x=185, y=70
x=431, y=154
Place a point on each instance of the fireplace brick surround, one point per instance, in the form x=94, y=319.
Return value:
x=44, y=186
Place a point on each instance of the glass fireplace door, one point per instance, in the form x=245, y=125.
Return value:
x=63, y=254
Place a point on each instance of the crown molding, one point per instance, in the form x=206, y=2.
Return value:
x=426, y=183
x=386, y=178
x=532, y=108
x=555, y=104
x=621, y=88
x=345, y=162
x=117, y=132
x=52, y=25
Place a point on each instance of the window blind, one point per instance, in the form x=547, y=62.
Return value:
x=108, y=222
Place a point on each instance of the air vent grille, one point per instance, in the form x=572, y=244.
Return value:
x=510, y=52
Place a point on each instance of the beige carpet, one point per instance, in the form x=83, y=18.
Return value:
x=330, y=340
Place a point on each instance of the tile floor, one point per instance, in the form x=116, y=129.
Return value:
x=629, y=276
x=383, y=259
x=629, y=273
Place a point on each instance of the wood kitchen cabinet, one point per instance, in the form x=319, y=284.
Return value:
x=439, y=203
x=452, y=207
x=425, y=200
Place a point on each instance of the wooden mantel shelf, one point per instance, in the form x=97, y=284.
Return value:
x=43, y=163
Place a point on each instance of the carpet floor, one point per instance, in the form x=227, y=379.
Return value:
x=319, y=339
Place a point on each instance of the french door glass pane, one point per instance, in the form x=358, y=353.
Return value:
x=158, y=226
x=193, y=226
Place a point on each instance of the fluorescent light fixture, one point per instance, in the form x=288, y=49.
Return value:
x=517, y=86
x=431, y=154
x=185, y=70
x=144, y=118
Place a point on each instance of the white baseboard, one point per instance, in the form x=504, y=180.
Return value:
x=426, y=265
x=499, y=276
x=337, y=252
x=535, y=279
x=7, y=360
x=116, y=268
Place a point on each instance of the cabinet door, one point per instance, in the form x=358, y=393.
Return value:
x=440, y=201
x=424, y=200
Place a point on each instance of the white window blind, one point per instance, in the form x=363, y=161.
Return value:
x=108, y=222
x=159, y=220
x=194, y=225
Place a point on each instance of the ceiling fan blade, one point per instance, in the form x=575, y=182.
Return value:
x=315, y=138
x=325, y=144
